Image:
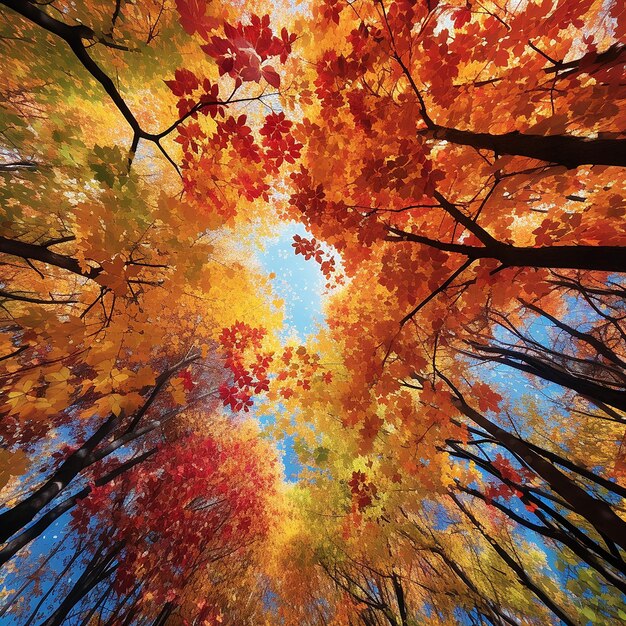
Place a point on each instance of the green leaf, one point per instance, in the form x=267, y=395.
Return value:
x=590, y=614
x=320, y=455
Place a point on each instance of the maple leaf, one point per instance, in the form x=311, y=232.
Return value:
x=114, y=275
x=275, y=126
x=12, y=463
x=244, y=49
x=193, y=17
x=270, y=75
x=21, y=394
x=188, y=383
x=332, y=10
x=503, y=465
x=461, y=17
x=185, y=82
x=286, y=392
x=488, y=399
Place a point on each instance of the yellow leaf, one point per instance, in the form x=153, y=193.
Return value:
x=12, y=464
x=144, y=377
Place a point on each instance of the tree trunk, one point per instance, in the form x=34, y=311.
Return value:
x=597, y=513
x=41, y=253
x=31, y=533
x=522, y=576
x=567, y=150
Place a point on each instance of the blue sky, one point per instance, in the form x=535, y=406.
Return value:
x=300, y=284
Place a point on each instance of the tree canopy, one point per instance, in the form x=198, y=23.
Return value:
x=448, y=445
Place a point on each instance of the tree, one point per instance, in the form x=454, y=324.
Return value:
x=475, y=242
x=115, y=289
x=195, y=504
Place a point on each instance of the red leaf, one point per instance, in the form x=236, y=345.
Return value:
x=184, y=83
x=461, y=17
x=193, y=17
x=185, y=375
x=271, y=76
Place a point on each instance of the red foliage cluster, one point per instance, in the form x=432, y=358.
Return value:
x=508, y=473
x=242, y=52
x=188, y=383
x=239, y=135
x=326, y=217
x=308, y=248
x=241, y=344
x=205, y=94
x=193, y=17
x=249, y=365
x=363, y=491
x=194, y=502
x=311, y=249
x=333, y=72
x=332, y=10
x=278, y=141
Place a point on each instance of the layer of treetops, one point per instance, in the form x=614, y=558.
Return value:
x=445, y=444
